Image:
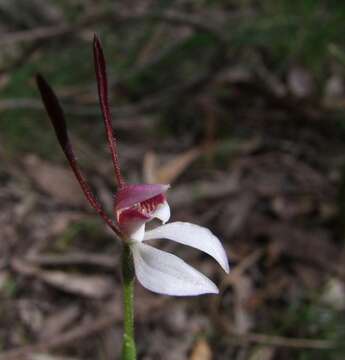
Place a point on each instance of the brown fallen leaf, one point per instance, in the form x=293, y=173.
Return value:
x=300, y=82
x=59, y=321
x=170, y=171
x=62, y=219
x=74, y=259
x=49, y=357
x=334, y=91
x=243, y=292
x=30, y=315
x=91, y=286
x=291, y=207
x=56, y=181
x=334, y=294
x=184, y=195
x=201, y=351
x=4, y=79
x=150, y=167
x=262, y=353
x=4, y=278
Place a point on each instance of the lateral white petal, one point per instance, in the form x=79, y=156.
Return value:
x=162, y=212
x=164, y=273
x=194, y=236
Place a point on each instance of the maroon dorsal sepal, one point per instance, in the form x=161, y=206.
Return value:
x=102, y=85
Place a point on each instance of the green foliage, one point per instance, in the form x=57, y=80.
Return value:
x=164, y=72
x=26, y=131
x=88, y=232
x=313, y=320
x=9, y=288
x=294, y=31
x=286, y=31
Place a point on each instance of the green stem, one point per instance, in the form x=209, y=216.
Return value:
x=128, y=346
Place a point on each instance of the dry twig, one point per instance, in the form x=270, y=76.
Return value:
x=107, y=262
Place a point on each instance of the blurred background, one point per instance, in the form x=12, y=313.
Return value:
x=240, y=106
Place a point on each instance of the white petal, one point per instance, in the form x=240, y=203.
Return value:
x=137, y=232
x=162, y=212
x=167, y=274
x=194, y=236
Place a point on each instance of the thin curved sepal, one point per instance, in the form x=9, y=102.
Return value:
x=57, y=118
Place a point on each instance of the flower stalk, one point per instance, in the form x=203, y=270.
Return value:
x=128, y=345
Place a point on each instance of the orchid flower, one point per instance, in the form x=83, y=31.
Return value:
x=157, y=270
x=135, y=205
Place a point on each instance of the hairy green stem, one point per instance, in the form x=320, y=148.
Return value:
x=128, y=346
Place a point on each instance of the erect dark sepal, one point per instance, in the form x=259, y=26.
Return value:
x=102, y=85
x=57, y=118
x=54, y=111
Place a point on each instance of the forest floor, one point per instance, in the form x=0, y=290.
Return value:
x=256, y=157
